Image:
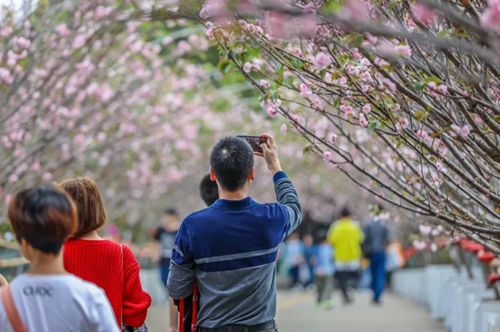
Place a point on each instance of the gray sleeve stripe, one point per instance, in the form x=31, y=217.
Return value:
x=176, y=248
x=235, y=256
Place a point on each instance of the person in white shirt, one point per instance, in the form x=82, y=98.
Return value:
x=47, y=298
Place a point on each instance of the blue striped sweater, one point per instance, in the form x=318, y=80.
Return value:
x=230, y=248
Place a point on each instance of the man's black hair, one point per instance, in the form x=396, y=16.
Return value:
x=170, y=211
x=345, y=212
x=208, y=190
x=232, y=161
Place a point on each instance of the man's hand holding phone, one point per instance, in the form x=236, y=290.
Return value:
x=270, y=154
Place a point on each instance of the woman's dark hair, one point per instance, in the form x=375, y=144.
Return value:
x=88, y=199
x=232, y=161
x=345, y=212
x=208, y=190
x=44, y=216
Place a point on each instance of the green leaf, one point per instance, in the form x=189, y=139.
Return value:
x=228, y=68
x=297, y=63
x=288, y=81
x=278, y=67
x=372, y=125
x=432, y=79
x=419, y=86
x=497, y=118
x=307, y=149
x=420, y=115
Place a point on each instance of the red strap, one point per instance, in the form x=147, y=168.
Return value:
x=181, y=315
x=195, y=301
x=10, y=309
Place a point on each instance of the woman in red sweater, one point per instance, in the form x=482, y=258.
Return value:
x=109, y=265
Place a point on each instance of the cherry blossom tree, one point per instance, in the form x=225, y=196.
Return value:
x=399, y=96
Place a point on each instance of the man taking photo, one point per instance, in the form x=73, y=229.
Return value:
x=230, y=247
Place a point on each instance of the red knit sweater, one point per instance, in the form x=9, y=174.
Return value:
x=100, y=262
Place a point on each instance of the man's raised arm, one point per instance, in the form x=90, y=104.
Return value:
x=286, y=194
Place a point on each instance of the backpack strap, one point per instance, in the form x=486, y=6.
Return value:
x=181, y=315
x=195, y=307
x=11, y=310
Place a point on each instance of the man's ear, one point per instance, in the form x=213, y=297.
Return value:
x=250, y=176
x=212, y=175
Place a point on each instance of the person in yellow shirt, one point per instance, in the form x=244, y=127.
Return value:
x=346, y=237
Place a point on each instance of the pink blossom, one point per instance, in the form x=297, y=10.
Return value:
x=404, y=123
x=332, y=138
x=317, y=102
x=46, y=176
x=367, y=108
x=355, y=10
x=390, y=86
x=6, y=76
x=247, y=67
x=264, y=84
x=307, y=24
x=322, y=60
x=277, y=24
x=283, y=129
x=423, y=134
x=425, y=230
x=184, y=46
x=442, y=89
x=79, y=41
x=36, y=166
x=23, y=42
x=272, y=112
x=440, y=168
x=7, y=199
x=362, y=120
x=398, y=126
x=204, y=13
x=490, y=17
x=436, y=232
x=387, y=49
x=104, y=92
x=6, y=31
x=327, y=155
x=13, y=178
x=424, y=14
x=210, y=34
x=304, y=91
x=295, y=117
x=404, y=49
x=462, y=132
x=101, y=137
x=287, y=73
x=370, y=40
x=380, y=62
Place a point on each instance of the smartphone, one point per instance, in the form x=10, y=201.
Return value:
x=254, y=141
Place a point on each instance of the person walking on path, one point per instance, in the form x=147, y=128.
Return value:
x=377, y=238
x=230, y=247
x=324, y=270
x=309, y=250
x=47, y=298
x=108, y=264
x=293, y=251
x=346, y=237
x=165, y=237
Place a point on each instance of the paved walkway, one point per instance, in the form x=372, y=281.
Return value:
x=297, y=313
